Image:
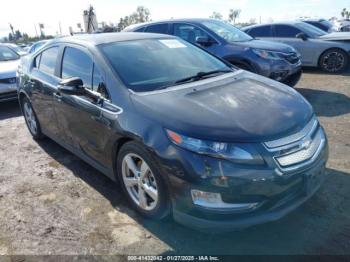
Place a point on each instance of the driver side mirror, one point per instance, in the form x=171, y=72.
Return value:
x=204, y=41
x=72, y=86
x=302, y=36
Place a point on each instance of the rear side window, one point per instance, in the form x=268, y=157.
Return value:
x=286, y=31
x=77, y=63
x=261, y=31
x=48, y=60
x=141, y=29
x=158, y=28
x=189, y=32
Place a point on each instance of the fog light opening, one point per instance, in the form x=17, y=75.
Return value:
x=214, y=201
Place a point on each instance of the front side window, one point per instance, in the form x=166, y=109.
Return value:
x=261, y=31
x=151, y=64
x=158, y=28
x=77, y=63
x=286, y=31
x=6, y=54
x=227, y=31
x=310, y=30
x=189, y=32
x=48, y=60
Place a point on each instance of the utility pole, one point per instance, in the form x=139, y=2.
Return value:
x=36, y=31
x=59, y=26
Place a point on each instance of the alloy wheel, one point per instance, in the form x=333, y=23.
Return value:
x=333, y=61
x=139, y=181
x=30, y=118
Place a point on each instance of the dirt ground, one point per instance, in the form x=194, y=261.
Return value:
x=53, y=203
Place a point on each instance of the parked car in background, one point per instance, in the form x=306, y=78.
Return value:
x=9, y=61
x=185, y=133
x=16, y=48
x=345, y=25
x=276, y=61
x=318, y=48
x=36, y=46
x=322, y=24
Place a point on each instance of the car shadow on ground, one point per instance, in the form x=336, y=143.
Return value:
x=315, y=227
x=9, y=110
x=318, y=71
x=326, y=103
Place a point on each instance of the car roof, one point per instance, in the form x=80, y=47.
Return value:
x=178, y=20
x=274, y=23
x=104, y=38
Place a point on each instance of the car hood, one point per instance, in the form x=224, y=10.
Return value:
x=235, y=107
x=8, y=68
x=267, y=45
x=336, y=36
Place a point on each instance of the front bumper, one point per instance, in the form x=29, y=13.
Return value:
x=277, y=193
x=8, y=92
x=280, y=70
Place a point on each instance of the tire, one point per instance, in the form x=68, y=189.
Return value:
x=334, y=61
x=148, y=181
x=31, y=119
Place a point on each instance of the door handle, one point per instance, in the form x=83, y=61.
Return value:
x=57, y=96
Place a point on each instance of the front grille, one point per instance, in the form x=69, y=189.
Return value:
x=302, y=155
x=11, y=80
x=292, y=58
x=298, y=150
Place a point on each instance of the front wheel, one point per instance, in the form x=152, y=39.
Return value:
x=334, y=61
x=142, y=181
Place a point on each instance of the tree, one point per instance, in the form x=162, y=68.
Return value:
x=216, y=15
x=141, y=15
x=18, y=34
x=233, y=15
x=11, y=37
x=345, y=13
x=252, y=21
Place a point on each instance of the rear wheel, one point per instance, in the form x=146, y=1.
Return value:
x=334, y=60
x=31, y=119
x=142, y=182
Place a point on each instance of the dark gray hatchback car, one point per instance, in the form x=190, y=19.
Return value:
x=185, y=133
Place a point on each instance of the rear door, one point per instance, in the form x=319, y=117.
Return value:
x=86, y=126
x=43, y=81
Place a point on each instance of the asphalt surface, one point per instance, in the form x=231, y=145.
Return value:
x=54, y=203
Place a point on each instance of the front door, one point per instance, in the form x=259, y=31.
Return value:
x=84, y=121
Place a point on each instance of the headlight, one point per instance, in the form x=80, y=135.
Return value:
x=267, y=54
x=239, y=153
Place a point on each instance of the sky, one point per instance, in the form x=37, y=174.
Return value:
x=25, y=15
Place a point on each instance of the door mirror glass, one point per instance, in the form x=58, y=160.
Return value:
x=72, y=86
x=302, y=36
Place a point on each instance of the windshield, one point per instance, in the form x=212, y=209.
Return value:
x=227, y=31
x=311, y=30
x=151, y=64
x=6, y=54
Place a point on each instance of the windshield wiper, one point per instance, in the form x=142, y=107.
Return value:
x=201, y=75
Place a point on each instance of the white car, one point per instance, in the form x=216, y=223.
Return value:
x=9, y=61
